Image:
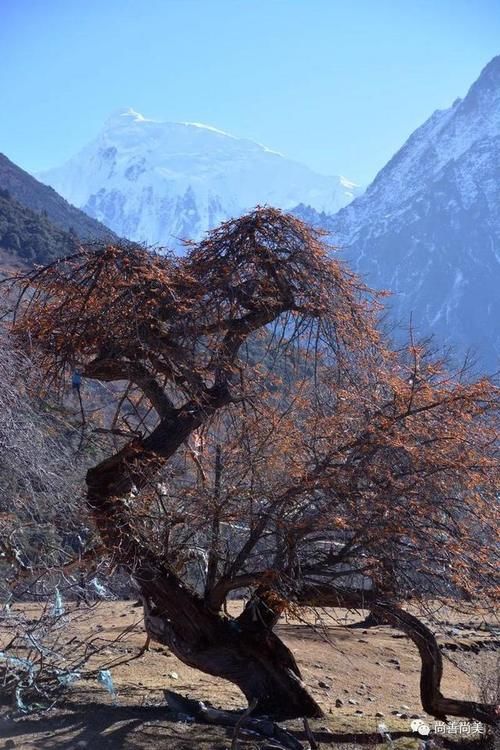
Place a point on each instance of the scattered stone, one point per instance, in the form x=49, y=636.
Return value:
x=404, y=716
x=395, y=712
x=173, y=675
x=362, y=640
x=324, y=685
x=379, y=715
x=339, y=703
x=394, y=661
x=359, y=711
x=405, y=708
x=371, y=698
x=353, y=702
x=414, y=716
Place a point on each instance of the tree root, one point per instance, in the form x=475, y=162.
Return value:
x=208, y=715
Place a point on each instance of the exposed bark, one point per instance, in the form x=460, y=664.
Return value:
x=433, y=701
x=254, y=659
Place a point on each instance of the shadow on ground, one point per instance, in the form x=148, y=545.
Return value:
x=95, y=726
x=132, y=728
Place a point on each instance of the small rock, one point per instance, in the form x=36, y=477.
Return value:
x=395, y=713
x=339, y=703
x=405, y=708
x=371, y=698
x=359, y=711
x=323, y=684
x=353, y=702
x=173, y=675
x=414, y=716
x=394, y=661
x=404, y=716
x=379, y=715
x=362, y=640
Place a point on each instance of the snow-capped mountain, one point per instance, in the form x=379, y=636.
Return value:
x=159, y=182
x=428, y=226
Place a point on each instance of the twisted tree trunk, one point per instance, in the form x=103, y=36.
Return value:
x=257, y=661
x=431, y=673
x=246, y=652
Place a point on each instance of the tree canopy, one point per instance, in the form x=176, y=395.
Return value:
x=282, y=449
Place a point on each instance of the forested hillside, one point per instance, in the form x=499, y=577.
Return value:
x=31, y=237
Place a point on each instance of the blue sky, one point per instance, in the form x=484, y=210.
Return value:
x=338, y=85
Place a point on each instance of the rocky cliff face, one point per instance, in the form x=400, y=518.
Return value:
x=428, y=227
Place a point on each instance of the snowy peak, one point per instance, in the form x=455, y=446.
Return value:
x=157, y=182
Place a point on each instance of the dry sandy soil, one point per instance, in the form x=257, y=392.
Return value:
x=360, y=678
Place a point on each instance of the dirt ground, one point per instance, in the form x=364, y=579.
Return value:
x=361, y=678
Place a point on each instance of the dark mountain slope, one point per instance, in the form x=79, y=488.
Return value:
x=44, y=200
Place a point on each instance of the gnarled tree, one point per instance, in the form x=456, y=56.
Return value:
x=285, y=450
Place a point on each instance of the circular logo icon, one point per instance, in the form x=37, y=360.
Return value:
x=417, y=725
x=424, y=729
